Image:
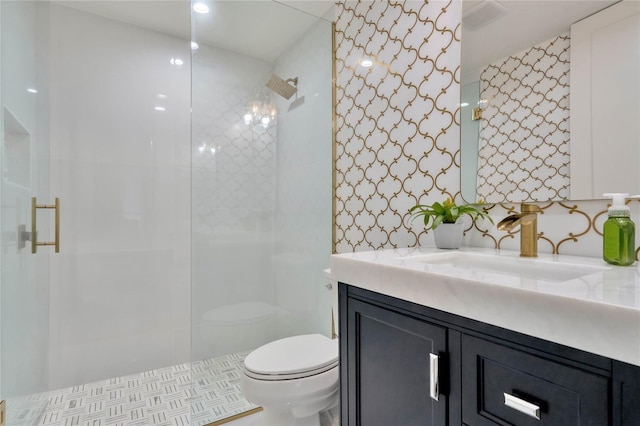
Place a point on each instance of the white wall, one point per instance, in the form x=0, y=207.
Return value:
x=120, y=300
x=605, y=102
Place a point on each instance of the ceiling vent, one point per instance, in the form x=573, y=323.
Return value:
x=482, y=14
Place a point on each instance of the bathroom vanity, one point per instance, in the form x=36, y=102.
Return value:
x=479, y=337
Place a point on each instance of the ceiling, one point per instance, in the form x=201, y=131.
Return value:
x=261, y=29
x=524, y=24
x=264, y=29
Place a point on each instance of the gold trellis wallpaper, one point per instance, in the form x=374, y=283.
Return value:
x=397, y=134
x=396, y=126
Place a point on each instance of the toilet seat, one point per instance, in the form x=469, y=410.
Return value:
x=292, y=358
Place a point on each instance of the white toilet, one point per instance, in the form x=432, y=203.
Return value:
x=294, y=379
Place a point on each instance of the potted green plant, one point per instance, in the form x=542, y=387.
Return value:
x=443, y=218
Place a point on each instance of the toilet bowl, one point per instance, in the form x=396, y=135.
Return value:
x=294, y=379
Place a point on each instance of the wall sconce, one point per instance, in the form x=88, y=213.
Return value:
x=476, y=113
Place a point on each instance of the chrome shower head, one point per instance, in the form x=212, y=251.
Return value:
x=282, y=87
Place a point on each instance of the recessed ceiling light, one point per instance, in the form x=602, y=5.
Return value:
x=160, y=108
x=162, y=96
x=194, y=45
x=176, y=61
x=464, y=104
x=366, y=63
x=31, y=90
x=200, y=7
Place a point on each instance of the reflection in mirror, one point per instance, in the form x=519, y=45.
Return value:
x=516, y=110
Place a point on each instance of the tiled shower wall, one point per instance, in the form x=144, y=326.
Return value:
x=398, y=132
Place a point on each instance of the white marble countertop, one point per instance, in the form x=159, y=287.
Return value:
x=580, y=302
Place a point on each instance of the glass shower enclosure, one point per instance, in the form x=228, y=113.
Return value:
x=194, y=215
x=261, y=179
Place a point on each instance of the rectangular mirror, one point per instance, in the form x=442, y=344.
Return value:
x=549, y=112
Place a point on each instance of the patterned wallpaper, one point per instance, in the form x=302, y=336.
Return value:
x=397, y=139
x=523, y=152
x=566, y=227
x=397, y=135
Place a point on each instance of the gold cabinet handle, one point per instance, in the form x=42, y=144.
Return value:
x=34, y=226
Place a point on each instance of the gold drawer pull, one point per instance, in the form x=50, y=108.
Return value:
x=522, y=406
x=34, y=227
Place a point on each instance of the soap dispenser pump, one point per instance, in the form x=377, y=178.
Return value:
x=619, y=232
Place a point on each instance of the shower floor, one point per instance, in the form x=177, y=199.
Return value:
x=197, y=393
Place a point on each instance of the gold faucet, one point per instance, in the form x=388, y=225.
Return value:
x=528, y=221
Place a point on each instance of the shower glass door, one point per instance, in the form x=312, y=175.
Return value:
x=95, y=99
x=261, y=187
x=24, y=295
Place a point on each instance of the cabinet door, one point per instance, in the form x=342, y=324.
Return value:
x=388, y=368
x=505, y=386
x=626, y=394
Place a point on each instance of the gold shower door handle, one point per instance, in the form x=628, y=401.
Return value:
x=34, y=227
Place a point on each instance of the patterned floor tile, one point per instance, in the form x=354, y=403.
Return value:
x=186, y=394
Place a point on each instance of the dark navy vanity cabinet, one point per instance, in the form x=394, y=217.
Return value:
x=404, y=364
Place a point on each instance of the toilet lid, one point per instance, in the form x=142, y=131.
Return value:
x=292, y=358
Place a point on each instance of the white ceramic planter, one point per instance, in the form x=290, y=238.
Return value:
x=449, y=235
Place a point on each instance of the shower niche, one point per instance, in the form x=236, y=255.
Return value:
x=16, y=168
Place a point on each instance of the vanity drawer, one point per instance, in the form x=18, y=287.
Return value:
x=505, y=386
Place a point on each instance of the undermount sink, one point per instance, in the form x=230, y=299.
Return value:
x=496, y=267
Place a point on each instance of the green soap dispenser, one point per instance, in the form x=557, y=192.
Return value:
x=619, y=237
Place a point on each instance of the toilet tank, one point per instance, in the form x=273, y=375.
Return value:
x=293, y=279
